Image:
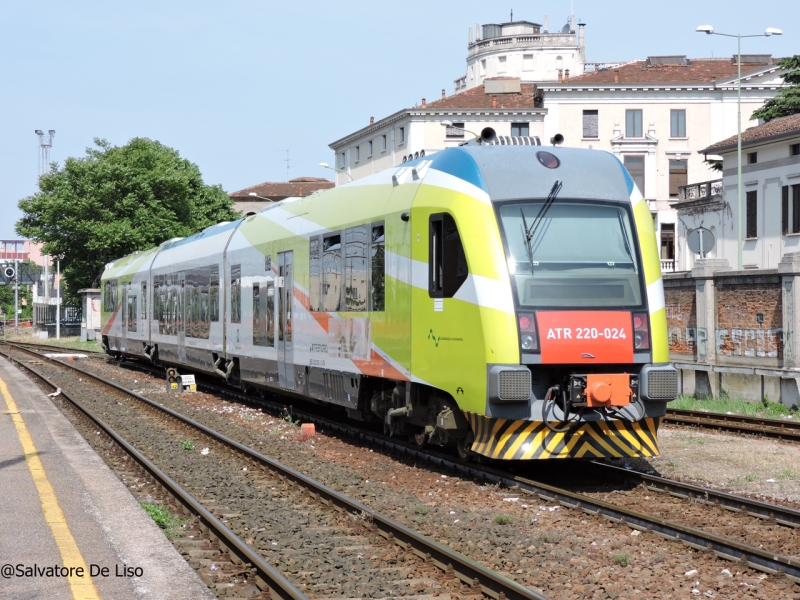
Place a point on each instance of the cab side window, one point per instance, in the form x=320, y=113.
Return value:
x=447, y=262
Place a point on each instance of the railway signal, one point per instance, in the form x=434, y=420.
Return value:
x=174, y=383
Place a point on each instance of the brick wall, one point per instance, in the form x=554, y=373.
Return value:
x=749, y=317
x=681, y=304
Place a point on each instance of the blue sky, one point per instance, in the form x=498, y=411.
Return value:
x=233, y=85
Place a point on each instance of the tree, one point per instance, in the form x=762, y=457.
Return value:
x=787, y=102
x=114, y=201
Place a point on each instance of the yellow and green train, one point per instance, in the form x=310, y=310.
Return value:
x=503, y=299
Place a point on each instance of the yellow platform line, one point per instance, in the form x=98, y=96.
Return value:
x=82, y=587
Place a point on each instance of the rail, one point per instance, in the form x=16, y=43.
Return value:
x=491, y=583
x=772, y=428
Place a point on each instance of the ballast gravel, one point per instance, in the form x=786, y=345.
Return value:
x=564, y=553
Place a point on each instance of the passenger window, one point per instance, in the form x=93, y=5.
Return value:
x=355, y=268
x=236, y=293
x=259, y=339
x=144, y=301
x=313, y=275
x=214, y=294
x=378, y=283
x=332, y=273
x=447, y=263
x=131, y=312
x=270, y=317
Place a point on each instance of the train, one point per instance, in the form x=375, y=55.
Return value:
x=499, y=297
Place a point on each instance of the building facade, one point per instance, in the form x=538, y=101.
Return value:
x=770, y=208
x=256, y=197
x=505, y=104
x=523, y=50
x=655, y=114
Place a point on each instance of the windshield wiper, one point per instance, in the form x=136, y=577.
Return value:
x=529, y=232
x=625, y=236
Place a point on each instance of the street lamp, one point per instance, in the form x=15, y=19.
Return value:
x=327, y=166
x=254, y=195
x=709, y=30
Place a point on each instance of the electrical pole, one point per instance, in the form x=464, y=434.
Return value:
x=16, y=296
x=45, y=143
x=58, y=298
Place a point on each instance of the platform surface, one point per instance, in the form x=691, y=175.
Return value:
x=61, y=506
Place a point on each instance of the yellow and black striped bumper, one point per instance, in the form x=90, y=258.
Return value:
x=531, y=440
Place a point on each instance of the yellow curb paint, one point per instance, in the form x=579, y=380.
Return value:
x=82, y=587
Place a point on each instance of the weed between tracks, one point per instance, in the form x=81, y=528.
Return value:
x=171, y=524
x=764, y=410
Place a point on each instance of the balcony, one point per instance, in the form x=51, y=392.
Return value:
x=597, y=67
x=460, y=84
x=699, y=191
x=667, y=265
x=521, y=42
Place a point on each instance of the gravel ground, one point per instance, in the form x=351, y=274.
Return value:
x=763, y=468
x=564, y=553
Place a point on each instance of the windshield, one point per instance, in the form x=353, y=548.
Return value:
x=578, y=254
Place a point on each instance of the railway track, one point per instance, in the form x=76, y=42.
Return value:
x=419, y=556
x=772, y=428
x=763, y=559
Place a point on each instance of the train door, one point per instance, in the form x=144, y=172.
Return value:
x=181, y=316
x=123, y=312
x=285, y=296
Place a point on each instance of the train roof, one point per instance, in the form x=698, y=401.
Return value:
x=511, y=172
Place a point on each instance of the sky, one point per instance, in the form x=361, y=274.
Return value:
x=233, y=85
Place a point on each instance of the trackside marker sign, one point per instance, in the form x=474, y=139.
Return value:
x=585, y=336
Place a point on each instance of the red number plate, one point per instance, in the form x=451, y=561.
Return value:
x=585, y=336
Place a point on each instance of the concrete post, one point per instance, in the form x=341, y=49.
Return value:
x=706, y=384
x=706, y=298
x=789, y=269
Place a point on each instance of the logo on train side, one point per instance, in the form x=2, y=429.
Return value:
x=441, y=338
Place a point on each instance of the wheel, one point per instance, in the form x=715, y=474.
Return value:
x=463, y=447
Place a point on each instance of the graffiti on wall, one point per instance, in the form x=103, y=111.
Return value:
x=752, y=343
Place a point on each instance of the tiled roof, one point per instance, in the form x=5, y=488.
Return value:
x=478, y=98
x=699, y=70
x=300, y=186
x=776, y=127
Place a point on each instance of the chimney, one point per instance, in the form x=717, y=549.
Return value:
x=371, y=120
x=560, y=76
x=566, y=75
x=546, y=27
x=423, y=103
x=443, y=94
x=580, y=34
x=616, y=75
x=494, y=101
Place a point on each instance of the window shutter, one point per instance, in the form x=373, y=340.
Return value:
x=752, y=214
x=785, y=209
x=590, y=124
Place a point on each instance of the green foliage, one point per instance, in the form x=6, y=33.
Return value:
x=164, y=519
x=787, y=102
x=765, y=409
x=503, y=519
x=286, y=417
x=7, y=301
x=187, y=444
x=621, y=559
x=114, y=201
x=423, y=510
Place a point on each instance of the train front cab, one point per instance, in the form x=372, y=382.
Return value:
x=593, y=377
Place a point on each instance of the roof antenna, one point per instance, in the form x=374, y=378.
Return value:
x=512, y=16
